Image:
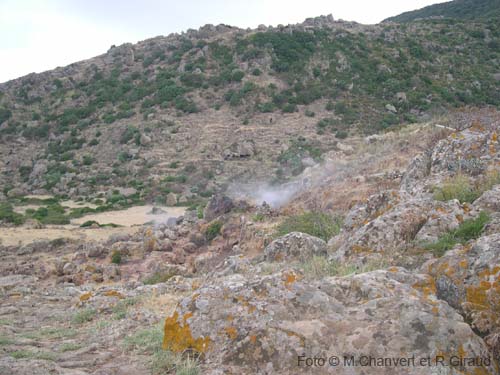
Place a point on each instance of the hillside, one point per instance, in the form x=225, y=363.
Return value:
x=457, y=9
x=186, y=114
x=312, y=198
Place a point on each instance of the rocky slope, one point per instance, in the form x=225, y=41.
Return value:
x=186, y=113
x=412, y=273
x=311, y=242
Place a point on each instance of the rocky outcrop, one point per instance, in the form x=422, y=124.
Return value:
x=295, y=246
x=469, y=280
x=251, y=323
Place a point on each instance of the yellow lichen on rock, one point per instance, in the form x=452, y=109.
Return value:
x=114, y=293
x=177, y=336
x=232, y=332
x=85, y=296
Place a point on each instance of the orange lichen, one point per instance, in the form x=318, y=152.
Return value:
x=427, y=287
x=359, y=249
x=178, y=337
x=114, y=293
x=463, y=263
x=289, y=278
x=85, y=296
x=494, y=137
x=253, y=339
x=232, y=332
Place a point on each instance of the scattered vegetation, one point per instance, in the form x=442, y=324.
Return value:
x=457, y=187
x=319, y=267
x=84, y=315
x=159, y=277
x=149, y=341
x=470, y=229
x=316, y=224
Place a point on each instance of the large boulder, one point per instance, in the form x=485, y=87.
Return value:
x=217, y=205
x=489, y=200
x=295, y=246
x=250, y=323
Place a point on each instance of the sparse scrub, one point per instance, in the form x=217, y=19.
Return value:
x=159, y=277
x=84, y=315
x=457, y=187
x=470, y=229
x=314, y=223
x=69, y=347
x=20, y=354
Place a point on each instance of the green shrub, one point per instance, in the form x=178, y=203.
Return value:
x=8, y=214
x=116, y=257
x=256, y=72
x=213, y=230
x=470, y=229
x=341, y=134
x=314, y=223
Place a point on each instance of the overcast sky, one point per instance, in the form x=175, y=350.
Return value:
x=38, y=35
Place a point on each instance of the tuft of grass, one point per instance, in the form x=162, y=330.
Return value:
x=159, y=277
x=69, y=347
x=470, y=229
x=457, y=187
x=146, y=340
x=51, y=333
x=121, y=308
x=149, y=341
x=5, y=341
x=318, y=267
x=316, y=224
x=188, y=366
x=84, y=316
x=20, y=354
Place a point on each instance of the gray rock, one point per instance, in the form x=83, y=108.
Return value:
x=217, y=206
x=295, y=246
x=250, y=323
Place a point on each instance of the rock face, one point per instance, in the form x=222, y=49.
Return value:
x=218, y=205
x=469, y=280
x=250, y=323
x=295, y=246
